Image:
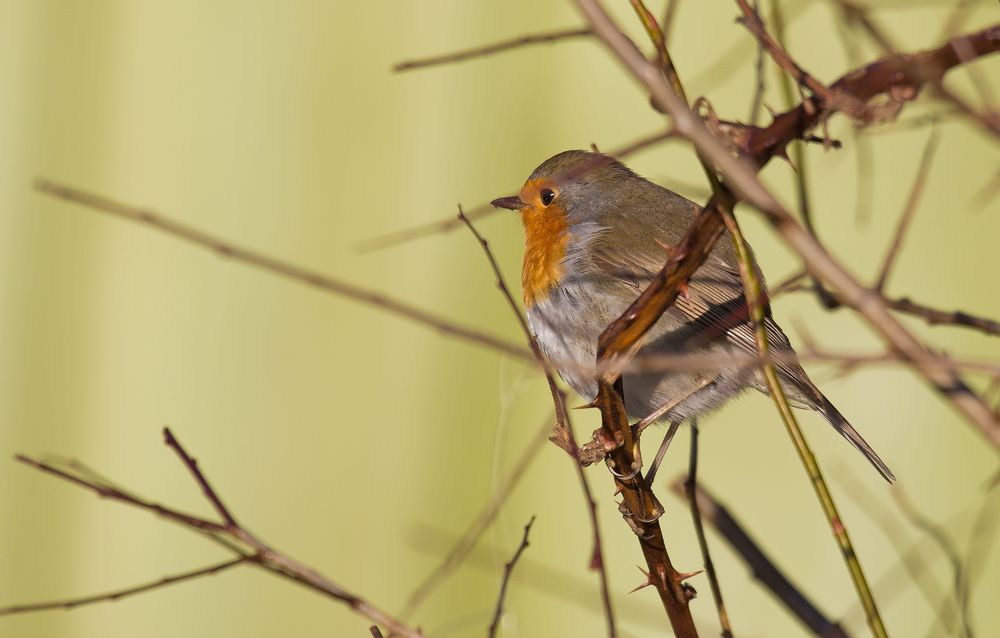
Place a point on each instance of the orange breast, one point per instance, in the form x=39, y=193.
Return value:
x=545, y=238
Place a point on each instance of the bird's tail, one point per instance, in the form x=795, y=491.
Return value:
x=840, y=424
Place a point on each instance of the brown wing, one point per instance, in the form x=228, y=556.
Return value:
x=714, y=307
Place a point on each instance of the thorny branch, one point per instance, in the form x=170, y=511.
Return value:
x=248, y=548
x=762, y=144
x=618, y=341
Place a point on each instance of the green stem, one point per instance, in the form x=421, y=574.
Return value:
x=753, y=289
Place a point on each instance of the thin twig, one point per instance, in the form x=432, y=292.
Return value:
x=799, y=156
x=232, y=536
x=691, y=487
x=226, y=249
x=563, y=434
x=192, y=465
x=761, y=566
x=937, y=534
x=937, y=317
x=119, y=594
x=757, y=101
x=913, y=562
x=840, y=101
x=546, y=37
x=934, y=316
x=911, y=206
x=508, y=569
x=467, y=542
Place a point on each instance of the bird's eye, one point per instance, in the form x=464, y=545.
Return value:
x=547, y=196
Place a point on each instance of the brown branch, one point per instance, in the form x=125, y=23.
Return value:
x=119, y=594
x=908, y=210
x=865, y=83
x=546, y=37
x=508, y=569
x=960, y=51
x=900, y=75
x=206, y=489
x=937, y=317
x=270, y=264
x=933, y=316
x=619, y=340
x=838, y=101
x=116, y=494
x=232, y=536
x=761, y=566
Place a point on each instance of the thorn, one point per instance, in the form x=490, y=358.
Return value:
x=667, y=248
x=645, y=583
x=586, y=406
x=594, y=148
x=682, y=576
x=685, y=291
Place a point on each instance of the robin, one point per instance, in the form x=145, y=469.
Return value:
x=595, y=236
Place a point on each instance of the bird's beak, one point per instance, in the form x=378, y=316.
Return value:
x=510, y=203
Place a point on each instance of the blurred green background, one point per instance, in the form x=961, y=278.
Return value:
x=359, y=442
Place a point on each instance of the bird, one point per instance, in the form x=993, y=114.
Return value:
x=596, y=233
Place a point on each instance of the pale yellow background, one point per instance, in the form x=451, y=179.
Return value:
x=362, y=443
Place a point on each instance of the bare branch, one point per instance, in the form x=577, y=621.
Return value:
x=546, y=37
x=832, y=99
x=119, y=594
x=192, y=466
x=931, y=315
x=944, y=317
x=908, y=210
x=231, y=536
x=328, y=284
x=865, y=83
x=508, y=569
